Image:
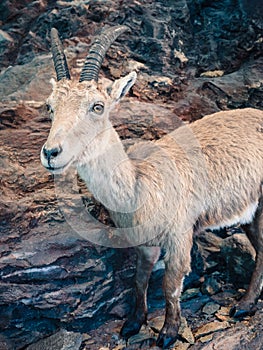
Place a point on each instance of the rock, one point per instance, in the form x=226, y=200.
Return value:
x=192, y=306
x=212, y=74
x=143, y=337
x=119, y=347
x=36, y=77
x=239, y=256
x=156, y=323
x=62, y=340
x=6, y=42
x=211, y=284
x=5, y=37
x=211, y=327
x=209, y=244
x=227, y=96
x=249, y=7
x=241, y=336
x=4, y=343
x=210, y=308
x=185, y=331
x=227, y=295
x=206, y=338
x=180, y=345
x=231, y=22
x=223, y=313
x=190, y=294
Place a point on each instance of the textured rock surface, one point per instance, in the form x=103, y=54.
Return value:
x=193, y=58
x=62, y=340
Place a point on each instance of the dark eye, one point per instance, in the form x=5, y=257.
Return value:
x=49, y=108
x=98, y=108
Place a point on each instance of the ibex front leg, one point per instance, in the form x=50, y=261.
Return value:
x=146, y=258
x=176, y=267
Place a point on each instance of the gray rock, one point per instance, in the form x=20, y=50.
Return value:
x=61, y=340
x=190, y=294
x=210, y=308
x=239, y=256
x=211, y=285
x=4, y=343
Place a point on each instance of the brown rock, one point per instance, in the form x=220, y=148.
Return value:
x=210, y=328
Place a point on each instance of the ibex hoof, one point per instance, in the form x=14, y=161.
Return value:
x=131, y=327
x=242, y=310
x=167, y=336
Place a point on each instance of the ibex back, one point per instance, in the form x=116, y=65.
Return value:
x=204, y=175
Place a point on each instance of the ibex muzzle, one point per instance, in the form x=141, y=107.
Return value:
x=207, y=174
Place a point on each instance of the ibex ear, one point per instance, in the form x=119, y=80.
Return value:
x=53, y=83
x=121, y=86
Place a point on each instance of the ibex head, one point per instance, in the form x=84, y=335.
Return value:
x=80, y=109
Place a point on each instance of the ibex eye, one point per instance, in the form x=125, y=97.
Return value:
x=98, y=108
x=49, y=108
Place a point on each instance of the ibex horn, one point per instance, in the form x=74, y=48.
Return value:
x=98, y=51
x=59, y=58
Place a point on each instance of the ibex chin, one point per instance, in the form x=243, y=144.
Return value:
x=207, y=174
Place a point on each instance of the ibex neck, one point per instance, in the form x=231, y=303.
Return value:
x=110, y=175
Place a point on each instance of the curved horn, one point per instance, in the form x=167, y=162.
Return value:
x=59, y=58
x=98, y=51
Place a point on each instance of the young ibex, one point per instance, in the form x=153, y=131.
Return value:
x=208, y=174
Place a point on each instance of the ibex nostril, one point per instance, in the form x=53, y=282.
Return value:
x=52, y=153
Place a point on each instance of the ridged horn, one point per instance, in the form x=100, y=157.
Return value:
x=98, y=51
x=59, y=58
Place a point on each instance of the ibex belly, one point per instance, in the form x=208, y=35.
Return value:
x=244, y=217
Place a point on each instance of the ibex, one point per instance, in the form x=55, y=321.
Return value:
x=207, y=174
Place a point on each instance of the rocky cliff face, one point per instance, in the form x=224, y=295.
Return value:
x=193, y=58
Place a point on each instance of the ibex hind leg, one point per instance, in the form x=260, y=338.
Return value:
x=254, y=231
x=146, y=258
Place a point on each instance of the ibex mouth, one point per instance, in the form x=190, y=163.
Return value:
x=60, y=169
